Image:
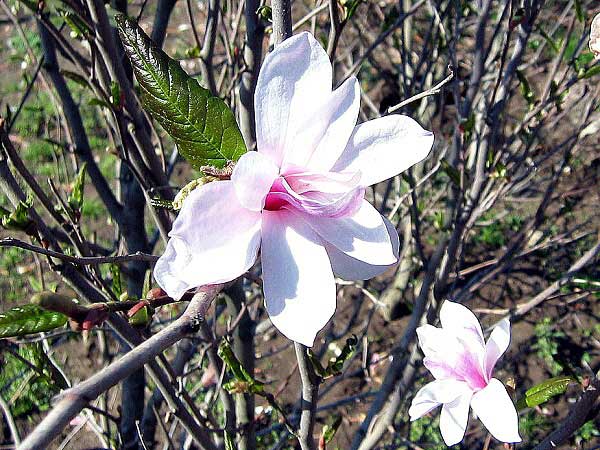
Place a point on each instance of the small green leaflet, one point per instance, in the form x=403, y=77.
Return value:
x=328, y=431
x=242, y=380
x=19, y=218
x=594, y=70
x=544, y=391
x=335, y=365
x=75, y=199
x=579, y=11
x=202, y=126
x=29, y=319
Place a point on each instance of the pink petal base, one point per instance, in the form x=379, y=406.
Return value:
x=323, y=195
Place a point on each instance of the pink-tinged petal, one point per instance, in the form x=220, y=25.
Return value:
x=459, y=320
x=314, y=203
x=253, y=176
x=352, y=269
x=319, y=138
x=363, y=236
x=298, y=283
x=434, y=394
x=214, y=239
x=438, y=345
x=454, y=418
x=440, y=369
x=447, y=356
x=293, y=80
x=496, y=411
x=329, y=182
x=384, y=147
x=496, y=345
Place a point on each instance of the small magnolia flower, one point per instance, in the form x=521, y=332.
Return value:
x=299, y=198
x=462, y=364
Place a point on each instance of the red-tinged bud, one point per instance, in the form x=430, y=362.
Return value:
x=155, y=293
x=137, y=307
x=585, y=383
x=98, y=314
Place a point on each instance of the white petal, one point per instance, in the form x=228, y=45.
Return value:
x=496, y=345
x=352, y=269
x=214, y=239
x=169, y=266
x=253, y=176
x=384, y=147
x=320, y=137
x=495, y=409
x=363, y=236
x=294, y=78
x=439, y=346
x=434, y=394
x=298, y=283
x=454, y=418
x=459, y=319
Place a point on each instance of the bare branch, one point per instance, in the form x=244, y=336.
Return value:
x=72, y=401
x=310, y=393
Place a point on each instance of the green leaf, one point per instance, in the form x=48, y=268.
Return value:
x=19, y=218
x=202, y=126
x=594, y=70
x=29, y=319
x=329, y=430
x=140, y=318
x=75, y=199
x=115, y=273
x=549, y=40
x=525, y=88
x=579, y=12
x=115, y=94
x=243, y=381
x=265, y=13
x=335, y=367
x=349, y=8
x=228, y=440
x=75, y=77
x=98, y=102
x=78, y=27
x=544, y=391
x=451, y=171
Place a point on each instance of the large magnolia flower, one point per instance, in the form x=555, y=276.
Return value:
x=462, y=364
x=299, y=198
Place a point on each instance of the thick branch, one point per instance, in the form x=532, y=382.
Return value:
x=282, y=20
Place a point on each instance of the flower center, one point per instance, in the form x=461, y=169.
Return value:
x=325, y=195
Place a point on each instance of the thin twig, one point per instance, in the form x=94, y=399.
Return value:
x=12, y=426
x=433, y=91
x=310, y=392
x=79, y=260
